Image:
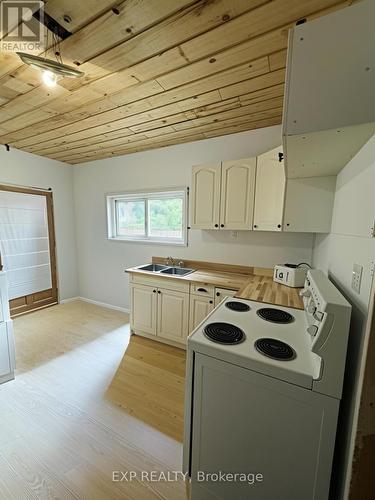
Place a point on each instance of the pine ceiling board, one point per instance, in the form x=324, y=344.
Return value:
x=97, y=148
x=60, y=104
x=260, y=95
x=91, y=135
x=277, y=60
x=118, y=25
x=248, y=109
x=169, y=139
x=245, y=126
x=208, y=123
x=230, y=62
x=81, y=13
x=221, y=61
x=15, y=123
x=72, y=121
x=164, y=110
x=68, y=145
x=214, y=82
x=186, y=24
x=260, y=82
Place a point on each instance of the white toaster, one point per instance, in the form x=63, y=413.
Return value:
x=290, y=275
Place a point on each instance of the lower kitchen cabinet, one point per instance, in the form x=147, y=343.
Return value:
x=172, y=315
x=143, y=308
x=200, y=307
x=168, y=310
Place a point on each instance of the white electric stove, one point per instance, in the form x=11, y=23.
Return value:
x=263, y=389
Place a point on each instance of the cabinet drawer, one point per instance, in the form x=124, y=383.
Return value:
x=201, y=289
x=167, y=283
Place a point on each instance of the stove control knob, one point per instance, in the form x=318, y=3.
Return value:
x=318, y=315
x=312, y=330
x=311, y=308
x=305, y=292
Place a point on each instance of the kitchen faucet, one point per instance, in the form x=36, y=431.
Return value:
x=169, y=261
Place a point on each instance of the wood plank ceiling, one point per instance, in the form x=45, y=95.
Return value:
x=157, y=72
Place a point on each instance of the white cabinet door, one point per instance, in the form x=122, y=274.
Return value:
x=205, y=196
x=269, y=192
x=309, y=204
x=143, y=308
x=5, y=367
x=237, y=194
x=173, y=315
x=223, y=293
x=199, y=310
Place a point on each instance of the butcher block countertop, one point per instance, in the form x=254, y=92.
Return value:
x=252, y=283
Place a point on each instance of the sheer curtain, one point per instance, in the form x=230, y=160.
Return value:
x=24, y=243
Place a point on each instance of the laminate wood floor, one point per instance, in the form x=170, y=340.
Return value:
x=89, y=400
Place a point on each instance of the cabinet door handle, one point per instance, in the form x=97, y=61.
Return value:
x=218, y=294
x=216, y=225
x=201, y=290
x=255, y=226
x=221, y=225
x=211, y=301
x=159, y=291
x=153, y=291
x=278, y=225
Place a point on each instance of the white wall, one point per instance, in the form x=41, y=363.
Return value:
x=17, y=167
x=350, y=242
x=101, y=263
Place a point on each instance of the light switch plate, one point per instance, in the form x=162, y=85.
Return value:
x=357, y=277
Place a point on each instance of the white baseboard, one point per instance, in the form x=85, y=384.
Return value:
x=70, y=299
x=97, y=303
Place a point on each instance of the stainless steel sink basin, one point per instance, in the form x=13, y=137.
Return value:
x=178, y=271
x=155, y=268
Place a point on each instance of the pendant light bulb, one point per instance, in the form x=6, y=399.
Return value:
x=49, y=78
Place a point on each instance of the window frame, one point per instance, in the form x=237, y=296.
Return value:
x=112, y=215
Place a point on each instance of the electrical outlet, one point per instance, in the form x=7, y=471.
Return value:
x=357, y=277
x=234, y=234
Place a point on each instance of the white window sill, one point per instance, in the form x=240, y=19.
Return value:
x=150, y=242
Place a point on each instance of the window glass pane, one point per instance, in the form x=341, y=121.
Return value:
x=130, y=218
x=165, y=218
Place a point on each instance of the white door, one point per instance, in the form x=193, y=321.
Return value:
x=200, y=307
x=173, y=315
x=223, y=293
x=143, y=308
x=237, y=194
x=269, y=192
x=5, y=366
x=205, y=196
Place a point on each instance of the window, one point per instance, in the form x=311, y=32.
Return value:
x=157, y=217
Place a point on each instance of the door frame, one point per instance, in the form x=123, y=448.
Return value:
x=43, y=298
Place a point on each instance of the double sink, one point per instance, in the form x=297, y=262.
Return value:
x=160, y=269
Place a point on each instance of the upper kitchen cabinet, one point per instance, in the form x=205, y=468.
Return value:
x=237, y=194
x=205, y=196
x=309, y=204
x=329, y=111
x=269, y=193
x=222, y=195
